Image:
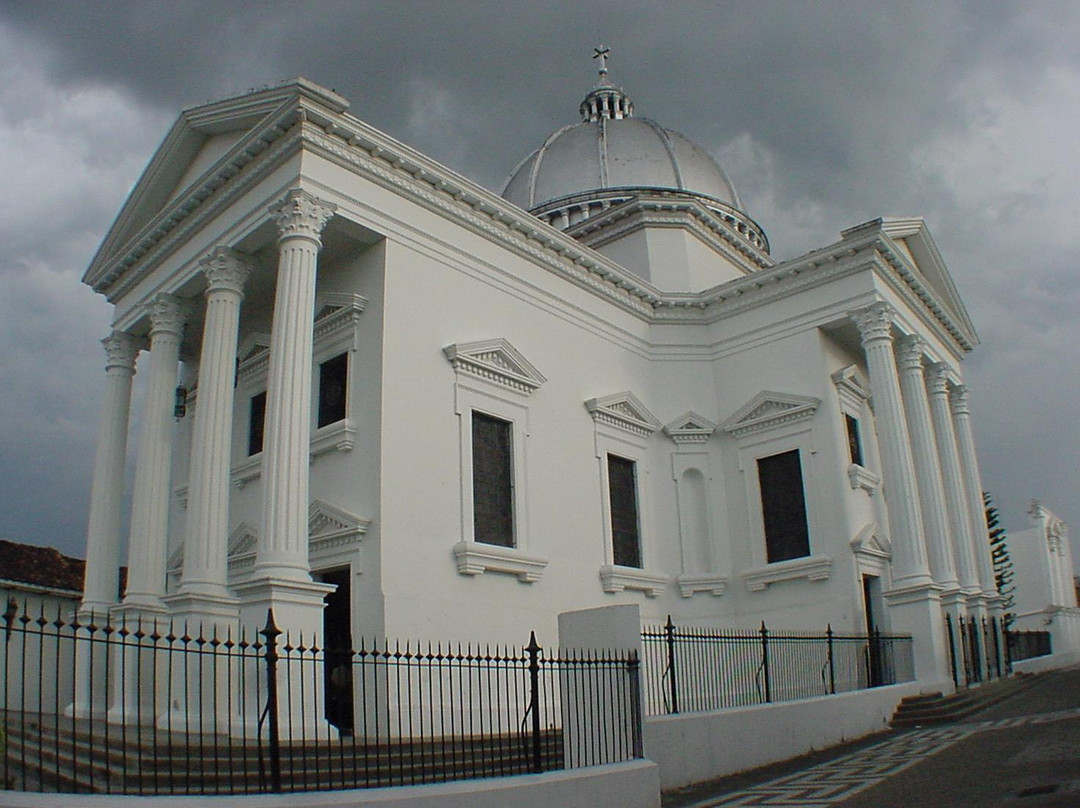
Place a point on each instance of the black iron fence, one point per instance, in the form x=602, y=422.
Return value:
x=148, y=707
x=1027, y=644
x=692, y=669
x=977, y=649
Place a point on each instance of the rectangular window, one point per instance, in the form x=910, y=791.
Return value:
x=625, y=529
x=333, y=378
x=493, y=480
x=256, y=422
x=854, y=444
x=783, y=506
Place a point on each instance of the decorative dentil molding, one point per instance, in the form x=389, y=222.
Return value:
x=625, y=412
x=689, y=428
x=301, y=215
x=476, y=558
x=769, y=410
x=496, y=361
x=874, y=322
x=813, y=568
x=615, y=578
x=226, y=270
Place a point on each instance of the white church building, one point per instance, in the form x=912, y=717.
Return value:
x=385, y=399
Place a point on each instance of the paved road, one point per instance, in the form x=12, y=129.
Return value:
x=1023, y=752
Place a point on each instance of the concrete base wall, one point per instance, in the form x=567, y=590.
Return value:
x=620, y=785
x=1049, y=662
x=704, y=746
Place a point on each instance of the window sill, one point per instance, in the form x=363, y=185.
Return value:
x=475, y=558
x=690, y=584
x=615, y=578
x=862, y=477
x=813, y=568
x=337, y=437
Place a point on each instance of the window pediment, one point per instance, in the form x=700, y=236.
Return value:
x=870, y=542
x=329, y=523
x=625, y=412
x=769, y=410
x=497, y=361
x=690, y=428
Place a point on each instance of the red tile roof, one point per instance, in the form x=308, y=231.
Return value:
x=40, y=566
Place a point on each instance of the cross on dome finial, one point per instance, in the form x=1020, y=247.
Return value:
x=601, y=53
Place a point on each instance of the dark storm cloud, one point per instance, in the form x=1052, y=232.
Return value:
x=827, y=114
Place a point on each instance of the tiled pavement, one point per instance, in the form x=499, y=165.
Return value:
x=835, y=782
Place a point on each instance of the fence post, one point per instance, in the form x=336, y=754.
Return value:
x=765, y=662
x=633, y=668
x=673, y=686
x=533, y=650
x=952, y=650
x=832, y=665
x=272, y=632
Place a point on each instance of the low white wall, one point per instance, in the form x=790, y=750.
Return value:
x=633, y=785
x=1049, y=662
x=703, y=746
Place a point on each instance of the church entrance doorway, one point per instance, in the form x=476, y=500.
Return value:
x=337, y=640
x=872, y=603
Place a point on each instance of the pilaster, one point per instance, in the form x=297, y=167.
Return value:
x=925, y=454
x=150, y=503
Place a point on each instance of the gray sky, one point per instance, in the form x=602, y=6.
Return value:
x=824, y=114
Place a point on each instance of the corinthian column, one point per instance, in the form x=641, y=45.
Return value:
x=969, y=465
x=952, y=477
x=283, y=546
x=909, y=564
x=925, y=454
x=150, y=506
x=101, y=586
x=205, y=545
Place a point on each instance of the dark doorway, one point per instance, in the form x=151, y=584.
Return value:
x=337, y=634
x=874, y=661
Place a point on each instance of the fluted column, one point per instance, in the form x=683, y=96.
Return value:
x=206, y=541
x=925, y=454
x=150, y=505
x=100, y=588
x=952, y=477
x=910, y=567
x=283, y=546
x=969, y=465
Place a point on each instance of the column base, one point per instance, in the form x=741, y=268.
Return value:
x=204, y=614
x=916, y=610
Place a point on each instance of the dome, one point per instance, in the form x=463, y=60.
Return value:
x=611, y=149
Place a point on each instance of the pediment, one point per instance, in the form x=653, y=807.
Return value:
x=690, y=428
x=206, y=146
x=497, y=361
x=768, y=410
x=242, y=541
x=871, y=541
x=253, y=345
x=623, y=411
x=326, y=521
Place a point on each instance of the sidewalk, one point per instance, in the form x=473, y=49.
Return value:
x=1023, y=752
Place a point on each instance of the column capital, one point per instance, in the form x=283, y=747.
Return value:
x=909, y=352
x=874, y=322
x=168, y=313
x=937, y=378
x=225, y=269
x=958, y=397
x=301, y=215
x=121, y=349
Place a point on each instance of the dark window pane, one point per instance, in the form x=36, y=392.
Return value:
x=256, y=422
x=783, y=504
x=493, y=480
x=854, y=444
x=625, y=535
x=333, y=375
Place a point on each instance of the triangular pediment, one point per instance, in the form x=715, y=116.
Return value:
x=242, y=541
x=690, y=428
x=768, y=410
x=872, y=542
x=624, y=411
x=497, y=361
x=326, y=521
x=206, y=146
